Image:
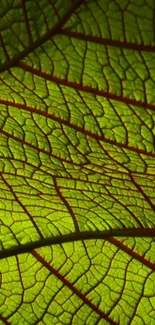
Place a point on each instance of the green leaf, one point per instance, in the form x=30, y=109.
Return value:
x=77, y=162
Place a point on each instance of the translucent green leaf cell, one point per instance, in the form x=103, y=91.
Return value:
x=77, y=162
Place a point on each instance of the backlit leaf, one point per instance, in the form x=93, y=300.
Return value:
x=77, y=170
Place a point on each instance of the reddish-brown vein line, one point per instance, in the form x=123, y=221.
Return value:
x=72, y=287
x=4, y=320
x=66, y=204
x=36, y=148
x=23, y=207
x=106, y=41
x=72, y=125
x=129, y=251
x=91, y=90
x=53, y=31
x=143, y=193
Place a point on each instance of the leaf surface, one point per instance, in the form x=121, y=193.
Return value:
x=77, y=150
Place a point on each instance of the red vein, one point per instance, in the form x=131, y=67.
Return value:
x=36, y=148
x=147, y=199
x=72, y=125
x=129, y=251
x=23, y=207
x=106, y=41
x=91, y=90
x=72, y=287
x=4, y=320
